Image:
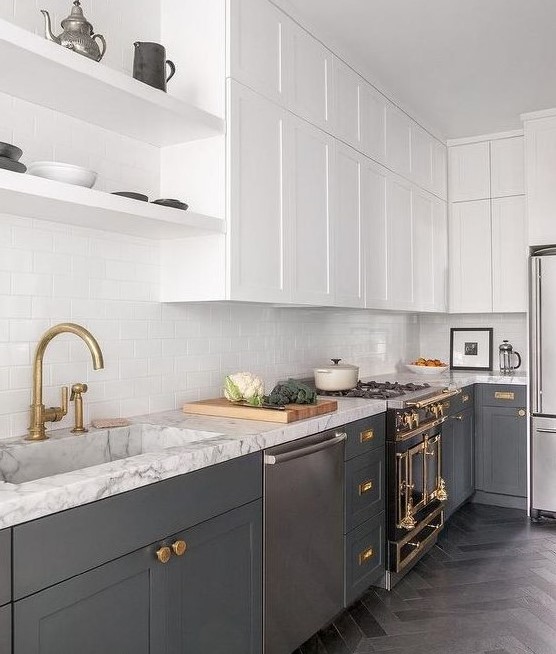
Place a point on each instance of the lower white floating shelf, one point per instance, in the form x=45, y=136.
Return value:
x=44, y=199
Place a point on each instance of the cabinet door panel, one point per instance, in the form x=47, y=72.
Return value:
x=348, y=283
x=507, y=158
x=364, y=488
x=400, y=244
x=469, y=171
x=421, y=157
x=346, y=87
x=118, y=607
x=5, y=566
x=440, y=170
x=440, y=255
x=424, y=253
x=509, y=254
x=464, y=456
x=372, y=117
x=216, y=586
x=6, y=630
x=375, y=234
x=256, y=46
x=309, y=163
x=448, y=469
x=398, y=137
x=470, y=257
x=257, y=223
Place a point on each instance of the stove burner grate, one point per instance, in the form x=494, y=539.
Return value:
x=377, y=390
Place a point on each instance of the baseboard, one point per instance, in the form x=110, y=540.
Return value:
x=495, y=499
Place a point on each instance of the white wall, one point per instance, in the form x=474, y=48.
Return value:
x=435, y=333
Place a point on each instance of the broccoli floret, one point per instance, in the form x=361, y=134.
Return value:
x=292, y=392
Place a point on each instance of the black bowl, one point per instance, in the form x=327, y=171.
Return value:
x=132, y=195
x=14, y=166
x=174, y=204
x=10, y=151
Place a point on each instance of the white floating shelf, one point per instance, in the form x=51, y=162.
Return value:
x=49, y=75
x=35, y=197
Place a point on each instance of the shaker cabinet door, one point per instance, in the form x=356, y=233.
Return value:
x=507, y=160
x=469, y=171
x=398, y=141
x=347, y=84
x=400, y=244
x=439, y=254
x=423, y=251
x=375, y=234
x=464, y=463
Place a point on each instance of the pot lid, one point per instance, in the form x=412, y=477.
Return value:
x=336, y=365
x=76, y=17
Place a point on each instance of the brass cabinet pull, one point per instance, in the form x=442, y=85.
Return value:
x=365, y=555
x=367, y=435
x=179, y=547
x=164, y=554
x=458, y=417
x=365, y=486
x=521, y=413
x=465, y=398
x=504, y=395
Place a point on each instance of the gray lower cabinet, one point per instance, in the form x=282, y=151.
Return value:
x=458, y=459
x=6, y=630
x=5, y=566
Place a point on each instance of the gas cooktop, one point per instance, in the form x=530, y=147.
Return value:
x=374, y=390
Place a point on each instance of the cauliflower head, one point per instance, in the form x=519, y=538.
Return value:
x=244, y=387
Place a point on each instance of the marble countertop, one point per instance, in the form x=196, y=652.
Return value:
x=456, y=378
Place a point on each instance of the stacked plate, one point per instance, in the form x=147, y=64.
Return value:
x=63, y=172
x=10, y=156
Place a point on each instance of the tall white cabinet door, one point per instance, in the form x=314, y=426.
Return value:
x=257, y=222
x=509, y=254
x=309, y=77
x=440, y=255
x=421, y=157
x=398, y=140
x=400, y=244
x=348, y=278
x=255, y=41
x=375, y=234
x=469, y=171
x=507, y=160
x=372, y=120
x=423, y=252
x=439, y=170
x=470, y=257
x=309, y=163
x=346, y=91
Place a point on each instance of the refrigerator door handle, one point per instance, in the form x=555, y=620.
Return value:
x=545, y=431
x=536, y=336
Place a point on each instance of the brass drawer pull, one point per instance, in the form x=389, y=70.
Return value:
x=179, y=547
x=504, y=395
x=164, y=554
x=365, y=486
x=465, y=398
x=367, y=435
x=365, y=555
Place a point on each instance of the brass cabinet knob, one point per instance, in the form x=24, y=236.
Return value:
x=521, y=413
x=179, y=547
x=164, y=554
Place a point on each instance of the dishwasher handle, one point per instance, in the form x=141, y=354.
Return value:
x=270, y=460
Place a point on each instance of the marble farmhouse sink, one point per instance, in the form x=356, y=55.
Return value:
x=22, y=461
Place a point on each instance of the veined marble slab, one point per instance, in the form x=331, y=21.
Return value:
x=38, y=479
x=456, y=378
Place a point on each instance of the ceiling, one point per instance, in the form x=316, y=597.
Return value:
x=463, y=67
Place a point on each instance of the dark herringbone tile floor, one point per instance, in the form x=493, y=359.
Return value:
x=488, y=587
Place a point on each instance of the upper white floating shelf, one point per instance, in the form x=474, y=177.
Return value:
x=46, y=74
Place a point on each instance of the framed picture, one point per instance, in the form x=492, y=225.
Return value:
x=471, y=349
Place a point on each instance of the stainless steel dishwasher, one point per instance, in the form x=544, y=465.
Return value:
x=303, y=499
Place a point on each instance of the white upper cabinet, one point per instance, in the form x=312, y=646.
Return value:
x=257, y=224
x=372, y=120
x=309, y=156
x=310, y=77
x=347, y=227
x=470, y=257
x=375, y=234
x=439, y=169
x=423, y=251
x=398, y=141
x=400, y=244
x=469, y=172
x=346, y=90
x=439, y=253
x=255, y=46
x=507, y=173
x=509, y=254
x=421, y=157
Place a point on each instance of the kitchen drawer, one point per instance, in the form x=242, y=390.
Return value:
x=5, y=566
x=6, y=630
x=364, y=557
x=83, y=538
x=461, y=401
x=365, y=487
x=512, y=395
x=365, y=435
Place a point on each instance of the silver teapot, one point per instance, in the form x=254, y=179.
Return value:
x=78, y=34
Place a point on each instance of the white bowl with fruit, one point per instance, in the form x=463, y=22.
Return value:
x=430, y=367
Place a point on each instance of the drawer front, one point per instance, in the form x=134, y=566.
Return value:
x=512, y=395
x=364, y=557
x=365, y=487
x=83, y=538
x=5, y=566
x=6, y=630
x=462, y=401
x=365, y=435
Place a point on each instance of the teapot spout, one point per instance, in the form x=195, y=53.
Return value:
x=48, y=27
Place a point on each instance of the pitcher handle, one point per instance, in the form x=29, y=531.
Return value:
x=103, y=41
x=518, y=355
x=172, y=69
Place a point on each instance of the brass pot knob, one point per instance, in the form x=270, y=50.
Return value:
x=179, y=547
x=164, y=554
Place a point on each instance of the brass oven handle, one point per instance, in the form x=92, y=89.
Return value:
x=365, y=487
x=365, y=555
x=436, y=398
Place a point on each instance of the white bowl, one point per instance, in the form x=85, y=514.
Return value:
x=427, y=370
x=62, y=172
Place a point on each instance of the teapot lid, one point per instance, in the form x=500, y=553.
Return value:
x=76, y=16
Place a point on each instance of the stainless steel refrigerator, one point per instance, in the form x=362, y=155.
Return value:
x=542, y=340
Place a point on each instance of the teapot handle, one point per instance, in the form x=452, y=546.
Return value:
x=172, y=66
x=103, y=41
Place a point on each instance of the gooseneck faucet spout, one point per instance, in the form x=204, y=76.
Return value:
x=39, y=413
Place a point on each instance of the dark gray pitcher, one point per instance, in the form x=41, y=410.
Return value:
x=149, y=65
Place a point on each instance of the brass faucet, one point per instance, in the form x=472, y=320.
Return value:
x=40, y=415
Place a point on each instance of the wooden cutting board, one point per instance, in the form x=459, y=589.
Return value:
x=222, y=408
